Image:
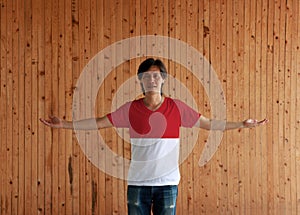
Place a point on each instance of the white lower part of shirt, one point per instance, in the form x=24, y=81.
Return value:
x=154, y=162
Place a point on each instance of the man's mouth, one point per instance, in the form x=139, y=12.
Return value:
x=152, y=86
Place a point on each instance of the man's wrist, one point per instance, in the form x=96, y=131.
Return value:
x=66, y=124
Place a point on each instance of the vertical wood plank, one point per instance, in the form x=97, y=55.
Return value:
x=297, y=66
x=192, y=18
x=240, y=105
x=246, y=93
x=271, y=178
x=89, y=91
x=94, y=153
x=10, y=106
x=34, y=107
x=231, y=148
x=236, y=79
x=247, y=105
x=183, y=77
x=263, y=105
x=257, y=102
x=128, y=15
x=21, y=90
x=82, y=49
x=108, y=14
x=281, y=134
x=41, y=106
x=74, y=163
x=101, y=19
x=252, y=99
x=287, y=107
x=212, y=191
x=134, y=25
x=48, y=109
x=278, y=178
x=216, y=64
x=68, y=162
x=15, y=110
x=27, y=108
x=191, y=25
x=117, y=27
x=205, y=171
x=54, y=205
x=294, y=7
x=61, y=108
x=223, y=77
x=4, y=197
x=183, y=203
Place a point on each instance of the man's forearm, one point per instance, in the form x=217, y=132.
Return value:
x=234, y=125
x=85, y=124
x=222, y=125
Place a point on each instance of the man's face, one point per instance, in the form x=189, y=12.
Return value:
x=152, y=80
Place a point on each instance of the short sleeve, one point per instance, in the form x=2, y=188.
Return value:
x=120, y=117
x=188, y=115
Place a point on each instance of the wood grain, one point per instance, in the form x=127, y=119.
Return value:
x=253, y=47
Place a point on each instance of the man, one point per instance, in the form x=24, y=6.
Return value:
x=154, y=123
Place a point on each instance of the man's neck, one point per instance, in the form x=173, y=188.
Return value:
x=153, y=100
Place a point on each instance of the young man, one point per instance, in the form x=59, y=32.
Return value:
x=154, y=123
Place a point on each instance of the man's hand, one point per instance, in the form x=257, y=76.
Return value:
x=53, y=122
x=250, y=123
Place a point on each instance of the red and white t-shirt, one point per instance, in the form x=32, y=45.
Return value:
x=154, y=136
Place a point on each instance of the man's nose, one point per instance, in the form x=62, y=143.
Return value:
x=152, y=79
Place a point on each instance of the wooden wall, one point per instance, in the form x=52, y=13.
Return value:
x=253, y=46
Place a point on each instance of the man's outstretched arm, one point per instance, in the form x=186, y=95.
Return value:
x=85, y=124
x=210, y=124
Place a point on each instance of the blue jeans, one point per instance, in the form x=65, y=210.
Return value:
x=162, y=200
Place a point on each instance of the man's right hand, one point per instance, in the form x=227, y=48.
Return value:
x=53, y=122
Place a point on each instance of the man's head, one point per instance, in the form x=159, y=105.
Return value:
x=152, y=74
